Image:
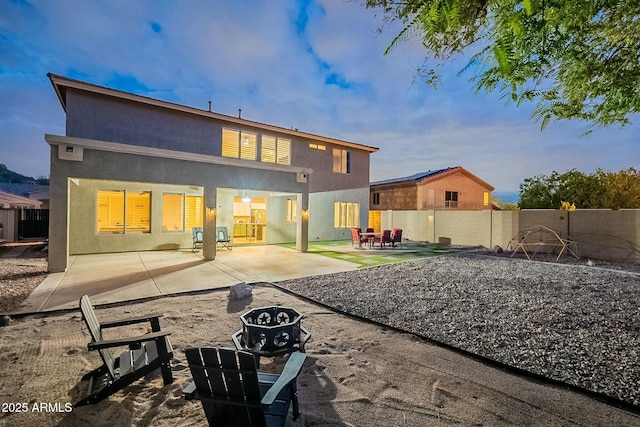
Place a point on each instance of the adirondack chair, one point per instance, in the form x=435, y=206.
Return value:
x=222, y=237
x=146, y=353
x=234, y=393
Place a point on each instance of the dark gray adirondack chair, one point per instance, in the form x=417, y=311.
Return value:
x=234, y=393
x=146, y=353
x=196, y=232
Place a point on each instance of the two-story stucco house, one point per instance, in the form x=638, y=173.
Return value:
x=135, y=173
x=453, y=188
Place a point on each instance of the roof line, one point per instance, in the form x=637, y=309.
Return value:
x=60, y=82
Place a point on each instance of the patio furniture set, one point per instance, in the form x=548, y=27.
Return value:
x=385, y=238
x=225, y=380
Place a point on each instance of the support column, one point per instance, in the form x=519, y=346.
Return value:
x=302, y=230
x=209, y=228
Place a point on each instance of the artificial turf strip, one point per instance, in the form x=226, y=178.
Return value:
x=369, y=258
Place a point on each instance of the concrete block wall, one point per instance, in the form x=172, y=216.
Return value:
x=600, y=234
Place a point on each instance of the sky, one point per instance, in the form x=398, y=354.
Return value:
x=315, y=65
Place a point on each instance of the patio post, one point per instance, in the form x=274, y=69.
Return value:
x=209, y=226
x=302, y=230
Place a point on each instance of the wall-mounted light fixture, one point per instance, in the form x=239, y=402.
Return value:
x=210, y=213
x=305, y=214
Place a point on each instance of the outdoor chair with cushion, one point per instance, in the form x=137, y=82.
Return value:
x=222, y=237
x=396, y=236
x=145, y=354
x=383, y=239
x=233, y=392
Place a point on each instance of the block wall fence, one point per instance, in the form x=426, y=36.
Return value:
x=600, y=234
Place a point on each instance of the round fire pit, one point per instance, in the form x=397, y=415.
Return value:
x=270, y=331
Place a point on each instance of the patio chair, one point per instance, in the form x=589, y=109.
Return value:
x=396, y=236
x=222, y=237
x=383, y=239
x=196, y=232
x=234, y=393
x=146, y=353
x=357, y=238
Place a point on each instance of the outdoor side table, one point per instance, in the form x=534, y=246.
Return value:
x=271, y=331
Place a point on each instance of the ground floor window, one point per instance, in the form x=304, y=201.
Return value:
x=346, y=215
x=120, y=211
x=180, y=212
x=292, y=210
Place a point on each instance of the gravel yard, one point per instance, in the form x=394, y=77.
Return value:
x=23, y=266
x=572, y=323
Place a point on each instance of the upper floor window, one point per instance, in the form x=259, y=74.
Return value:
x=450, y=199
x=375, y=198
x=275, y=150
x=341, y=161
x=239, y=144
x=318, y=147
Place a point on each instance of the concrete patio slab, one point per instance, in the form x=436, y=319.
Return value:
x=111, y=278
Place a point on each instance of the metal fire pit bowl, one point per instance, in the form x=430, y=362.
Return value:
x=271, y=331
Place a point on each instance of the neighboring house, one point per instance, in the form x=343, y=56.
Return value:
x=31, y=190
x=11, y=206
x=453, y=188
x=136, y=173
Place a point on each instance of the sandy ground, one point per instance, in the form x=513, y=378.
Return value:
x=356, y=374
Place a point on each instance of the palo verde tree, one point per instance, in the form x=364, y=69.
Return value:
x=601, y=190
x=576, y=59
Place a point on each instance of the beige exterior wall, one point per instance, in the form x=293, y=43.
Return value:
x=398, y=197
x=600, y=234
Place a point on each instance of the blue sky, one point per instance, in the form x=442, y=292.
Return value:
x=314, y=65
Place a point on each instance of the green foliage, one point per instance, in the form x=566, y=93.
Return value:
x=9, y=176
x=575, y=59
x=601, y=190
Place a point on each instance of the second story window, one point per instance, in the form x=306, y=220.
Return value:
x=239, y=145
x=341, y=161
x=275, y=150
x=375, y=198
x=450, y=199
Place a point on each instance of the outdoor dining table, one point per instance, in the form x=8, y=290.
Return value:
x=370, y=235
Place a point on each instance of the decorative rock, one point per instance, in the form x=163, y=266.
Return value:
x=240, y=291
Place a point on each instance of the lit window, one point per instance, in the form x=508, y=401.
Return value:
x=248, y=146
x=193, y=212
x=292, y=210
x=230, y=140
x=341, y=161
x=318, y=147
x=239, y=145
x=486, y=198
x=118, y=212
x=276, y=150
x=110, y=212
x=172, y=212
x=138, y=212
x=346, y=215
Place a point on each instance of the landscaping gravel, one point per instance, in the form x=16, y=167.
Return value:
x=575, y=323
